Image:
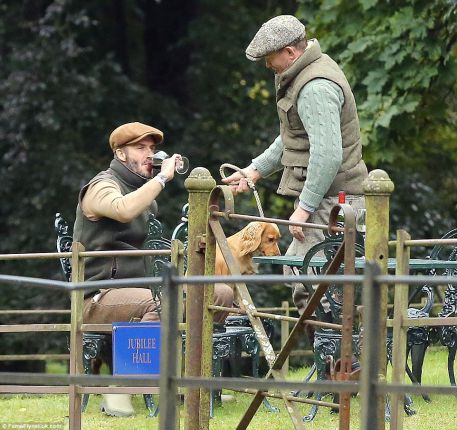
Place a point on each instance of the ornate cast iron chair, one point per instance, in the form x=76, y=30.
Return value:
x=327, y=342
x=447, y=335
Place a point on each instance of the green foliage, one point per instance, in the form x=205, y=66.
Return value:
x=70, y=72
x=60, y=98
x=401, y=60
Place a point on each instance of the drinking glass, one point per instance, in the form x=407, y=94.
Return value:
x=181, y=168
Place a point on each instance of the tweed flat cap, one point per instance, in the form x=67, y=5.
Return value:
x=275, y=34
x=133, y=132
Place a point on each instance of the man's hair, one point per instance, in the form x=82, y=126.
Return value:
x=300, y=43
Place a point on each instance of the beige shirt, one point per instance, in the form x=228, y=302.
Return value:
x=104, y=199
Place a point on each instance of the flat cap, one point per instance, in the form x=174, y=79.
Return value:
x=275, y=34
x=133, y=132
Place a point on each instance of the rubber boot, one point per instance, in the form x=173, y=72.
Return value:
x=117, y=405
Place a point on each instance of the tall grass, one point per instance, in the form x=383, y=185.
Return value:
x=441, y=413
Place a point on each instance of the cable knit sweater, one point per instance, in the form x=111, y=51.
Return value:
x=319, y=106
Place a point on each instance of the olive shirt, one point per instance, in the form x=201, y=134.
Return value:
x=321, y=99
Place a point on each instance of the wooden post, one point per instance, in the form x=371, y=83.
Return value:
x=76, y=336
x=369, y=418
x=378, y=187
x=399, y=332
x=207, y=329
x=199, y=185
x=285, y=334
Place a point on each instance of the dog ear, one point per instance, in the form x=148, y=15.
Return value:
x=251, y=237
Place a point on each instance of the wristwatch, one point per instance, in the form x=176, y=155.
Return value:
x=161, y=179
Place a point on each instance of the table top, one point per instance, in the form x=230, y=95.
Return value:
x=297, y=261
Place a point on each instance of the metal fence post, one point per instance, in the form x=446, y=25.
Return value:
x=199, y=185
x=168, y=353
x=76, y=336
x=399, y=331
x=372, y=418
x=285, y=333
x=378, y=187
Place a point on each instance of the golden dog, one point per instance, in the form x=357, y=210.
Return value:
x=257, y=238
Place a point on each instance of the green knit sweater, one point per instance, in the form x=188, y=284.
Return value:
x=322, y=101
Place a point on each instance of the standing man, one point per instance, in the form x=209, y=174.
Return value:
x=112, y=214
x=319, y=147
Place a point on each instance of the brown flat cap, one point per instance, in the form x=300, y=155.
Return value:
x=133, y=132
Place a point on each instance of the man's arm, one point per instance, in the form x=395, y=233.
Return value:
x=319, y=107
x=265, y=164
x=104, y=199
x=270, y=160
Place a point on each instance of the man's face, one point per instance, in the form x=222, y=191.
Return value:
x=138, y=156
x=281, y=60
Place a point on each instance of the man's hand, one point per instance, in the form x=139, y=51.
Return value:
x=238, y=183
x=299, y=215
x=168, y=167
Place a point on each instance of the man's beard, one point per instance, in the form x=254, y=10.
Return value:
x=135, y=168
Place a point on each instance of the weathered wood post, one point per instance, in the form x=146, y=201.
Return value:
x=377, y=188
x=172, y=315
x=399, y=331
x=199, y=185
x=76, y=336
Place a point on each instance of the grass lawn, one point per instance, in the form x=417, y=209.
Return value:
x=441, y=413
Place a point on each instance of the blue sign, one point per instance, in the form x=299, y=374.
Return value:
x=136, y=348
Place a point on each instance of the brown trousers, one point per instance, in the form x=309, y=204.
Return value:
x=312, y=237
x=124, y=304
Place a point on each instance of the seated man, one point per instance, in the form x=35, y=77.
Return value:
x=112, y=214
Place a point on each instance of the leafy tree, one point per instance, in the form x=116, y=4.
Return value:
x=59, y=98
x=400, y=57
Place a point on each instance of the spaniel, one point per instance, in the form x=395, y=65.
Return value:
x=257, y=238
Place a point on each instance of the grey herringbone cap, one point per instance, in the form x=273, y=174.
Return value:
x=275, y=34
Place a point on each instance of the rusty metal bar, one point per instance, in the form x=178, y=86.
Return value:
x=294, y=334
x=285, y=332
x=38, y=357
x=168, y=353
x=38, y=312
x=92, y=381
x=229, y=215
x=348, y=308
x=292, y=398
x=277, y=317
x=430, y=242
x=24, y=328
x=56, y=255
x=177, y=260
x=434, y=321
